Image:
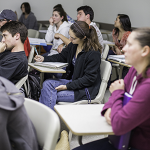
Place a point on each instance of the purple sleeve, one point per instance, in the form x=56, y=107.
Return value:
x=134, y=113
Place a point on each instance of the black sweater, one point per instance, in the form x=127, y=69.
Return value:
x=13, y=65
x=86, y=72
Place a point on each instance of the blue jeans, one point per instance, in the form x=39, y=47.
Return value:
x=49, y=95
x=102, y=144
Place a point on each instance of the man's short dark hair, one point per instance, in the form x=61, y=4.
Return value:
x=87, y=10
x=14, y=27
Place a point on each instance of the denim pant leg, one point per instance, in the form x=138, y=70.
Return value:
x=65, y=96
x=48, y=95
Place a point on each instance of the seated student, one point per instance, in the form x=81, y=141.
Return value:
x=120, y=33
x=68, y=17
x=13, y=61
x=58, y=24
x=27, y=17
x=135, y=115
x=85, y=13
x=17, y=130
x=82, y=76
x=8, y=15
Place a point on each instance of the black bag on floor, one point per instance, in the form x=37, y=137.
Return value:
x=34, y=86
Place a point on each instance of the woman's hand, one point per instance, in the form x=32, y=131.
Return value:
x=61, y=87
x=117, y=85
x=39, y=58
x=2, y=47
x=51, y=21
x=107, y=115
x=60, y=48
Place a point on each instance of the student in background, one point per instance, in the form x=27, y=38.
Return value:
x=13, y=61
x=68, y=17
x=27, y=17
x=135, y=115
x=8, y=15
x=84, y=13
x=58, y=24
x=120, y=33
x=82, y=78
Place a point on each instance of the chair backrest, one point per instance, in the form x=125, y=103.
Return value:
x=33, y=33
x=105, y=71
x=105, y=52
x=21, y=82
x=46, y=123
x=40, y=26
x=31, y=55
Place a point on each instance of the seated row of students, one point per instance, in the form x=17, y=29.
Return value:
x=59, y=25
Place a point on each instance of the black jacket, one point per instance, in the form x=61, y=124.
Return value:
x=86, y=73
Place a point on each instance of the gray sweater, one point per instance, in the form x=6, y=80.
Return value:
x=17, y=131
x=30, y=22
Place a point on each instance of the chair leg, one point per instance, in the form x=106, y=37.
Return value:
x=80, y=140
x=70, y=136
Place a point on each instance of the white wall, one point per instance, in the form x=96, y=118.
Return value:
x=107, y=10
x=43, y=8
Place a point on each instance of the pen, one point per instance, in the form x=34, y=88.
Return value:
x=36, y=51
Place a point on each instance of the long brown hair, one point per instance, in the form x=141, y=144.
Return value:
x=82, y=29
x=143, y=37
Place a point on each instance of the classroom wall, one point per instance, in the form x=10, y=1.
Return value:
x=107, y=10
x=43, y=8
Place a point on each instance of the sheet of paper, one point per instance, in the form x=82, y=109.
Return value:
x=36, y=41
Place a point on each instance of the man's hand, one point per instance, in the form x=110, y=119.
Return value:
x=107, y=115
x=2, y=47
x=117, y=85
x=61, y=87
x=39, y=58
x=60, y=48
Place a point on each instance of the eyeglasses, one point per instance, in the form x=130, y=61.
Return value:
x=73, y=38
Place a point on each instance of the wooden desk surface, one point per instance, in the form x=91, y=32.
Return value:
x=123, y=64
x=84, y=119
x=46, y=69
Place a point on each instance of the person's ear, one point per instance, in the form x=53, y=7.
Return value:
x=17, y=36
x=62, y=17
x=88, y=16
x=145, y=51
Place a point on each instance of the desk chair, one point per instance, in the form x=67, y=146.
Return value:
x=33, y=33
x=105, y=68
x=40, y=26
x=21, y=82
x=31, y=55
x=46, y=123
x=105, y=52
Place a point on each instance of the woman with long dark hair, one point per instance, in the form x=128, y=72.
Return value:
x=120, y=33
x=28, y=18
x=58, y=24
x=82, y=78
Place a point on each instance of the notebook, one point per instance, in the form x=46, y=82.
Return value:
x=52, y=65
x=119, y=58
x=36, y=41
x=121, y=142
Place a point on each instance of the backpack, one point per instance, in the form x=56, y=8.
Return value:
x=34, y=89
